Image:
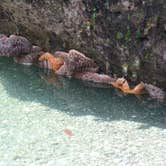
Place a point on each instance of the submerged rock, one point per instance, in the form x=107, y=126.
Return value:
x=31, y=58
x=155, y=93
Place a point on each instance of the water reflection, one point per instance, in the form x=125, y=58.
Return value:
x=77, y=98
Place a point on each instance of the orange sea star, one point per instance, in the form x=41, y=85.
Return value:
x=123, y=85
x=55, y=62
x=79, y=61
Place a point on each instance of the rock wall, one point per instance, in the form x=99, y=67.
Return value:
x=124, y=37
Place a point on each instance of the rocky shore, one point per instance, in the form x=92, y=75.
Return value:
x=122, y=36
x=71, y=64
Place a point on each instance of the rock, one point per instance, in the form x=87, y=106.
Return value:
x=14, y=46
x=31, y=58
x=94, y=77
x=156, y=93
x=113, y=33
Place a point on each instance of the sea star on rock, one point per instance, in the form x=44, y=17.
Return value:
x=55, y=62
x=123, y=85
x=73, y=62
x=81, y=67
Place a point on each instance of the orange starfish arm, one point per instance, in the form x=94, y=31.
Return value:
x=55, y=62
x=138, y=89
x=46, y=56
x=123, y=85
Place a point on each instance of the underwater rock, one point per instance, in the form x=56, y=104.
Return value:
x=156, y=93
x=31, y=58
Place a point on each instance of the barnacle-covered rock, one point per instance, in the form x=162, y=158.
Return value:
x=156, y=93
x=14, y=46
x=31, y=58
x=94, y=77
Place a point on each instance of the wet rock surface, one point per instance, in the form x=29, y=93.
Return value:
x=155, y=93
x=14, y=46
x=113, y=33
x=31, y=58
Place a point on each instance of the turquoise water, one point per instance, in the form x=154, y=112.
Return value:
x=108, y=128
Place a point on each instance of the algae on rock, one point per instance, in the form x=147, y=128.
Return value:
x=113, y=33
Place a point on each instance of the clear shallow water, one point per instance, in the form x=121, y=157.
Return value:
x=107, y=129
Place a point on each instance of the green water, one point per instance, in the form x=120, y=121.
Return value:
x=108, y=129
